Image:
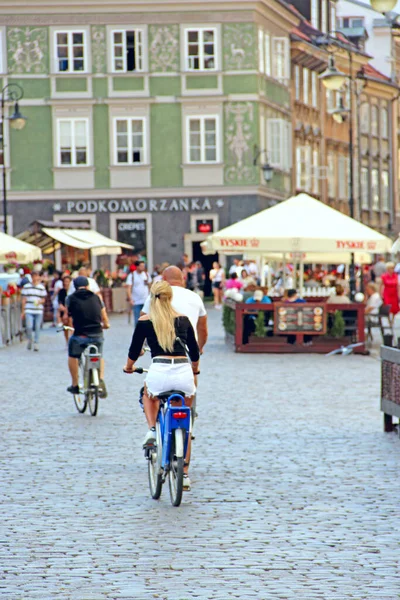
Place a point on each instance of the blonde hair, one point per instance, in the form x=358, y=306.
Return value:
x=162, y=314
x=390, y=265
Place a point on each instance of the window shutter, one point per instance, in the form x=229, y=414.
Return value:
x=261, y=51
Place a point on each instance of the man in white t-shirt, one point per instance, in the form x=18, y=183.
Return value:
x=185, y=302
x=374, y=301
x=93, y=285
x=138, y=284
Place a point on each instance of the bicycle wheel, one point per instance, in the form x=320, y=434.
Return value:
x=175, y=475
x=80, y=399
x=154, y=467
x=93, y=395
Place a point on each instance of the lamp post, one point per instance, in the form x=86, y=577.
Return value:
x=266, y=168
x=333, y=79
x=11, y=93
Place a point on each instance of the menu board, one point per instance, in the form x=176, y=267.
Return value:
x=299, y=318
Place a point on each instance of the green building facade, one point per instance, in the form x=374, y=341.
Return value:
x=144, y=118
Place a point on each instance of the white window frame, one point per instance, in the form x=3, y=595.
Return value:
x=331, y=165
x=70, y=33
x=261, y=64
x=138, y=44
x=315, y=168
x=314, y=89
x=280, y=72
x=73, y=164
x=202, y=119
x=385, y=192
x=374, y=116
x=284, y=146
x=315, y=14
x=267, y=58
x=306, y=85
x=324, y=16
x=297, y=82
x=364, y=188
x=200, y=31
x=130, y=162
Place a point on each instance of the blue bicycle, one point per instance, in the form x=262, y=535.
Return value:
x=167, y=457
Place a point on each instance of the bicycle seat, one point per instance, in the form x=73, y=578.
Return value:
x=166, y=395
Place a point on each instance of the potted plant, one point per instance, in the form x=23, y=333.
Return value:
x=11, y=267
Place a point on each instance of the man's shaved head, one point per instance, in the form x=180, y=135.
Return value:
x=174, y=276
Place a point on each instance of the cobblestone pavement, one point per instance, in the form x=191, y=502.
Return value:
x=295, y=487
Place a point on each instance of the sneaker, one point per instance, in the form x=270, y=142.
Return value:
x=36, y=347
x=186, y=483
x=29, y=346
x=150, y=439
x=73, y=389
x=102, y=389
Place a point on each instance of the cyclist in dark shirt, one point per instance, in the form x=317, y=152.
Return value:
x=89, y=318
x=167, y=334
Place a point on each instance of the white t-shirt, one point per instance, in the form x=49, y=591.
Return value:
x=185, y=302
x=374, y=301
x=140, y=289
x=93, y=286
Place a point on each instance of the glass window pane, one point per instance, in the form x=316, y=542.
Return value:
x=119, y=64
x=122, y=140
x=78, y=64
x=118, y=51
x=65, y=157
x=80, y=133
x=122, y=126
x=209, y=63
x=193, y=36
x=77, y=38
x=210, y=139
x=62, y=38
x=65, y=133
x=195, y=155
x=62, y=52
x=136, y=156
x=210, y=124
x=208, y=36
x=117, y=37
x=194, y=124
x=195, y=139
x=78, y=51
x=137, y=141
x=211, y=154
x=122, y=156
x=137, y=126
x=81, y=156
x=63, y=65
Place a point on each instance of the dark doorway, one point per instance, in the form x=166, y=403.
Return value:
x=206, y=261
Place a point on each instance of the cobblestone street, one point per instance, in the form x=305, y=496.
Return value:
x=295, y=486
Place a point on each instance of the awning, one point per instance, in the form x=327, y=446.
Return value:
x=84, y=239
x=13, y=249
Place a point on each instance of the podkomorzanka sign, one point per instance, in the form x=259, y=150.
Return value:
x=142, y=205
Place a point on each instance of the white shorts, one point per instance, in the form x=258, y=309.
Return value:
x=164, y=377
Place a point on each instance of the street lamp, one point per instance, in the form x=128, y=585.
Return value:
x=383, y=6
x=266, y=168
x=331, y=79
x=11, y=93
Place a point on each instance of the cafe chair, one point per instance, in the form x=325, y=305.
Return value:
x=378, y=321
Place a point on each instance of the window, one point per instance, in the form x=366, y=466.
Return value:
x=315, y=168
x=297, y=82
x=130, y=141
x=70, y=51
x=280, y=57
x=127, y=50
x=331, y=175
x=261, y=51
x=375, y=189
x=364, y=188
x=279, y=138
x=73, y=138
x=315, y=14
x=202, y=140
x=201, y=52
x=347, y=22
x=303, y=168
x=384, y=123
x=364, y=118
x=324, y=16
x=267, y=44
x=314, y=89
x=305, y=86
x=374, y=120
x=385, y=191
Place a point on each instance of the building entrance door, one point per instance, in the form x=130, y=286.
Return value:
x=206, y=261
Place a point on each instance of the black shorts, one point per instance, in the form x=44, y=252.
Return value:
x=217, y=285
x=78, y=343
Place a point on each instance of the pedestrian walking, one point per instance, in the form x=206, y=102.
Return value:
x=33, y=299
x=138, y=284
x=217, y=277
x=390, y=289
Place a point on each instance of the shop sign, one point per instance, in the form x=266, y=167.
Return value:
x=143, y=205
x=231, y=243
x=352, y=245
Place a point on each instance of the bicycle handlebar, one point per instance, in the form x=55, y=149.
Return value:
x=138, y=371
x=65, y=328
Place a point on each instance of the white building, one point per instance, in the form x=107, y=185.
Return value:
x=356, y=18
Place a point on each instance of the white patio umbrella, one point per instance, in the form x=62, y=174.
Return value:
x=300, y=224
x=13, y=249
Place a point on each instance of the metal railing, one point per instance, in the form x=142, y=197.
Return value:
x=11, y=329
